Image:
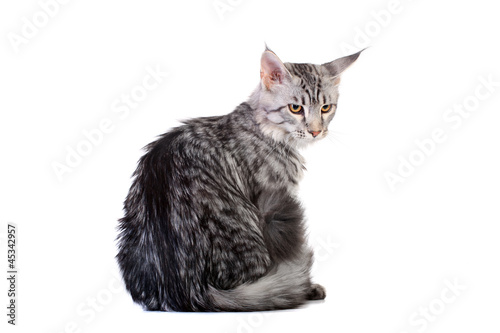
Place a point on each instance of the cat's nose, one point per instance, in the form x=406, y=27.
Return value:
x=315, y=133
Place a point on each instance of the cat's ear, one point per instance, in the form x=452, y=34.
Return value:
x=272, y=70
x=338, y=66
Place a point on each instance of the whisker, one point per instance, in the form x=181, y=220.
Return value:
x=340, y=133
x=337, y=140
x=275, y=146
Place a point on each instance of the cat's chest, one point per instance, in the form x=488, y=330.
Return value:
x=280, y=169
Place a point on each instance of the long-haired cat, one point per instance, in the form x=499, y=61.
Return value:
x=212, y=221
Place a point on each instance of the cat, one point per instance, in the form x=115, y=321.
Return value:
x=212, y=221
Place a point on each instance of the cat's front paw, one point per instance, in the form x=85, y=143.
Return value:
x=316, y=292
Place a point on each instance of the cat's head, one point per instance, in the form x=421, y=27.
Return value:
x=296, y=102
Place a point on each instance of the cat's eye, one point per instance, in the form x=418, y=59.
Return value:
x=295, y=108
x=326, y=108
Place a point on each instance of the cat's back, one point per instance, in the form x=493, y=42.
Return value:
x=205, y=151
x=181, y=148
x=203, y=141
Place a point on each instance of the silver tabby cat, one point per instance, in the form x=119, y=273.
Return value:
x=212, y=221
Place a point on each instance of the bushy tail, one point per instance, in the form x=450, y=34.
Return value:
x=286, y=286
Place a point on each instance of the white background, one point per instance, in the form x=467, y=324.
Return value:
x=383, y=254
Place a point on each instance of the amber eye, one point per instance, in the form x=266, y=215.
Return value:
x=295, y=108
x=325, y=108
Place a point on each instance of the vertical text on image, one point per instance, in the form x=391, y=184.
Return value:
x=12, y=274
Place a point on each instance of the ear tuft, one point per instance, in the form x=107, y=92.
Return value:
x=272, y=70
x=338, y=66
